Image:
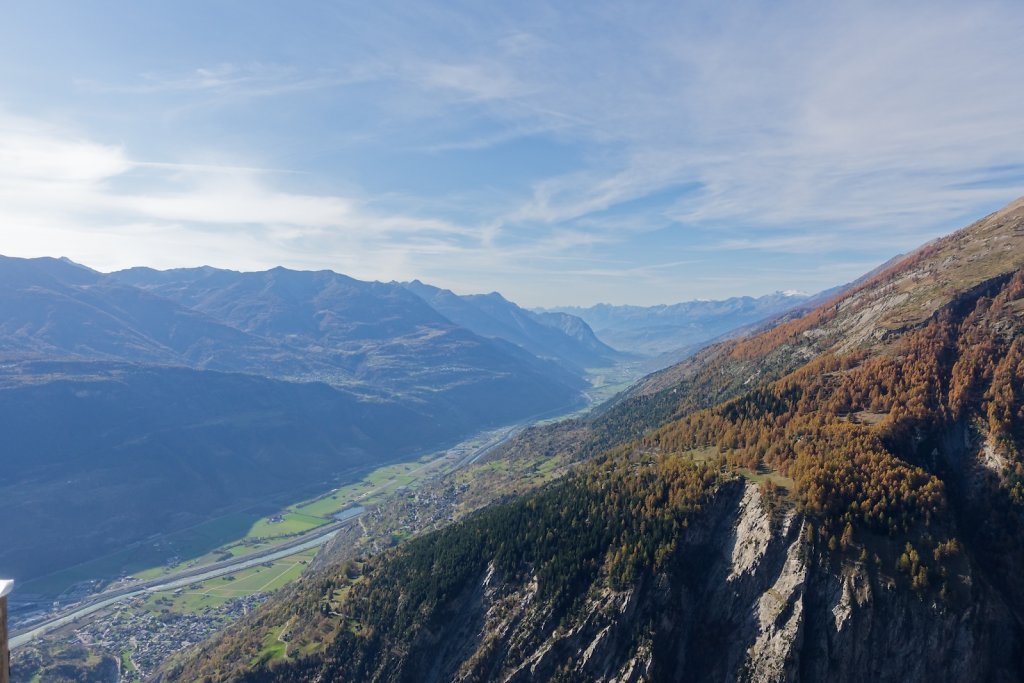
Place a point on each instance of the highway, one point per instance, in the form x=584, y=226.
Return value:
x=490, y=446
x=311, y=539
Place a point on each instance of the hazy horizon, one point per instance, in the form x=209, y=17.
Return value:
x=554, y=306
x=642, y=154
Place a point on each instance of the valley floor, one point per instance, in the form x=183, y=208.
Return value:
x=143, y=618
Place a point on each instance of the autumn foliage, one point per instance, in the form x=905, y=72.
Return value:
x=858, y=433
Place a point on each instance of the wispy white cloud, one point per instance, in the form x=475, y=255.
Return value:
x=244, y=81
x=477, y=82
x=32, y=153
x=786, y=129
x=60, y=190
x=788, y=113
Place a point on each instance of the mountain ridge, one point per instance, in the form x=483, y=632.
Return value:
x=568, y=338
x=825, y=500
x=130, y=361
x=668, y=328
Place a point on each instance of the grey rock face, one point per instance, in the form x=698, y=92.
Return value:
x=750, y=600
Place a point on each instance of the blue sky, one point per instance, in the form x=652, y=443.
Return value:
x=563, y=153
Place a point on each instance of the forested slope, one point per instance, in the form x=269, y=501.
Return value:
x=838, y=498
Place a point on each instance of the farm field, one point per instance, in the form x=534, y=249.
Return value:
x=244, y=532
x=311, y=513
x=264, y=578
x=139, y=558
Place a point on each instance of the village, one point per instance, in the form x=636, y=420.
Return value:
x=144, y=638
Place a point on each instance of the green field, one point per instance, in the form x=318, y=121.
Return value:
x=126, y=661
x=232, y=535
x=187, y=543
x=238, y=533
x=291, y=523
x=368, y=490
x=774, y=477
x=331, y=502
x=273, y=647
x=303, y=516
x=215, y=592
x=757, y=476
x=237, y=549
x=244, y=532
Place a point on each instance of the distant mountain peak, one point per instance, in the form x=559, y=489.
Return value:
x=571, y=342
x=789, y=489
x=676, y=328
x=65, y=259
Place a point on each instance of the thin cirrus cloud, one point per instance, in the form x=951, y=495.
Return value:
x=61, y=191
x=522, y=148
x=237, y=81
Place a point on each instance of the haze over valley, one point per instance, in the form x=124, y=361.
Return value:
x=456, y=342
x=186, y=394
x=198, y=394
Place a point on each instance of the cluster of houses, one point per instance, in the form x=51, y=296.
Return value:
x=414, y=511
x=147, y=638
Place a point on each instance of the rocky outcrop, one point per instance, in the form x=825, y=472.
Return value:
x=748, y=599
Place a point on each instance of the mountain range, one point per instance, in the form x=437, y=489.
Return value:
x=837, y=498
x=676, y=328
x=564, y=337
x=142, y=402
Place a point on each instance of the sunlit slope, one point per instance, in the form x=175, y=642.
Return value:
x=854, y=499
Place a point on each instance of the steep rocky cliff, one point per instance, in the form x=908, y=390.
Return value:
x=746, y=596
x=751, y=601
x=840, y=498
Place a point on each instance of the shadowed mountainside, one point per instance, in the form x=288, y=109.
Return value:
x=144, y=402
x=838, y=498
x=561, y=336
